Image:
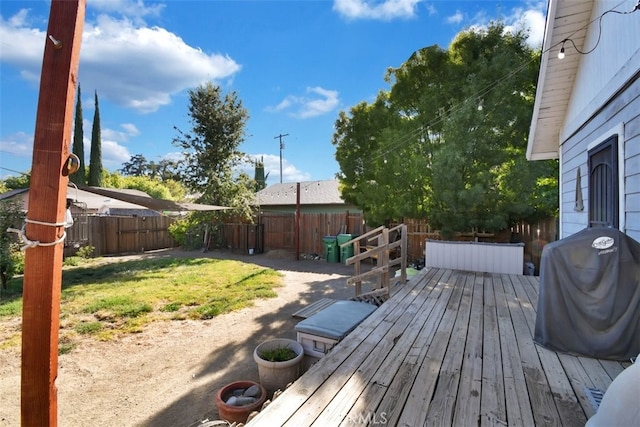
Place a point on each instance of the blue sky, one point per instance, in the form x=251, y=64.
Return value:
x=294, y=64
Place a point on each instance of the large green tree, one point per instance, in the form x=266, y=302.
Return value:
x=447, y=142
x=163, y=170
x=95, y=159
x=210, y=148
x=79, y=178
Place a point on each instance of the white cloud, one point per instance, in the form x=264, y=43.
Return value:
x=113, y=154
x=18, y=144
x=133, y=66
x=130, y=129
x=455, y=18
x=368, y=9
x=174, y=156
x=533, y=21
x=319, y=102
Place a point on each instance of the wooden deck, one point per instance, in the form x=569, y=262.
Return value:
x=449, y=348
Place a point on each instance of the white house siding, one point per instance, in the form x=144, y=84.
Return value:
x=614, y=60
x=620, y=114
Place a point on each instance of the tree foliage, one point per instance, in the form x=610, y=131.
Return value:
x=78, y=178
x=447, y=142
x=168, y=190
x=95, y=159
x=211, y=150
x=163, y=170
x=16, y=182
x=11, y=216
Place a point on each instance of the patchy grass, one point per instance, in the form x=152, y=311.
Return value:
x=106, y=300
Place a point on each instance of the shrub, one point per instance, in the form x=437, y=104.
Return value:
x=86, y=251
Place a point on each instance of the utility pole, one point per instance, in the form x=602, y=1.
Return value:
x=281, y=148
x=45, y=220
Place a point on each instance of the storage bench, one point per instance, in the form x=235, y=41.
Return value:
x=321, y=332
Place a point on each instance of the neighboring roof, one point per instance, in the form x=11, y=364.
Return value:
x=565, y=19
x=160, y=205
x=311, y=193
x=12, y=193
x=102, y=200
x=98, y=202
x=93, y=202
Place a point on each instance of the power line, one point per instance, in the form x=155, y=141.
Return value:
x=11, y=170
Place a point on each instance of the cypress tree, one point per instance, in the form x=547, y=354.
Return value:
x=79, y=178
x=95, y=161
x=259, y=177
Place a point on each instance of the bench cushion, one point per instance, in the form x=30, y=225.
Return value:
x=337, y=320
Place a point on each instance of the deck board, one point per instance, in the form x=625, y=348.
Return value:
x=448, y=348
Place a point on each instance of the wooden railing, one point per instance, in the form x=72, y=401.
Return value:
x=375, y=246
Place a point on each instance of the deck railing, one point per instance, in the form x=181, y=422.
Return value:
x=387, y=252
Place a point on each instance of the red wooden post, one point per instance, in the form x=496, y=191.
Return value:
x=47, y=205
x=297, y=221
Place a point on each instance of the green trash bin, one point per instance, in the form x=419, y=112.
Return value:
x=345, y=251
x=330, y=249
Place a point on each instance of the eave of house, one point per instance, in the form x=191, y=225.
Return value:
x=566, y=19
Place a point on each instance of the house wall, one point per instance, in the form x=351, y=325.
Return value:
x=613, y=58
x=621, y=115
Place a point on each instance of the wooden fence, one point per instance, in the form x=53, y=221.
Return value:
x=277, y=231
x=110, y=235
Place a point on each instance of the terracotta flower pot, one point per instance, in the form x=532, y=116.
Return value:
x=276, y=375
x=233, y=413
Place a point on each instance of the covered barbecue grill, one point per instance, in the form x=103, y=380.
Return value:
x=589, y=297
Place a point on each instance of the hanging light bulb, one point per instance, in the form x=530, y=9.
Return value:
x=561, y=53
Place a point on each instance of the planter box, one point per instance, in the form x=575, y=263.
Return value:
x=504, y=258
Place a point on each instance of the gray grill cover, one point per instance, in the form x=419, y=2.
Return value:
x=589, y=298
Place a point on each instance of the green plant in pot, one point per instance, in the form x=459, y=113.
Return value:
x=279, y=363
x=278, y=354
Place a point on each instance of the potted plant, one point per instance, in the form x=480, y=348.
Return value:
x=279, y=362
x=247, y=397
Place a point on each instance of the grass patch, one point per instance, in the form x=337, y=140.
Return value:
x=11, y=298
x=88, y=328
x=107, y=300
x=118, y=306
x=171, y=307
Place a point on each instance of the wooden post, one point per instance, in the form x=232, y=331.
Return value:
x=297, y=221
x=47, y=205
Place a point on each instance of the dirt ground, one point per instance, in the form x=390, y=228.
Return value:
x=168, y=375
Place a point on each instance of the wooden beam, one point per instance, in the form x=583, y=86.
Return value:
x=47, y=199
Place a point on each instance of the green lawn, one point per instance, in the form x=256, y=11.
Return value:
x=107, y=300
